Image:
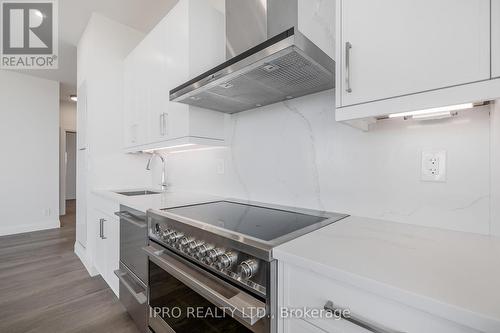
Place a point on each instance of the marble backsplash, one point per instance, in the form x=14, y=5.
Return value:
x=295, y=153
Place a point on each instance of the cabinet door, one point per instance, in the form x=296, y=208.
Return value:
x=112, y=234
x=300, y=326
x=154, y=55
x=107, y=247
x=392, y=48
x=178, y=55
x=495, y=38
x=100, y=254
x=135, y=101
x=130, y=138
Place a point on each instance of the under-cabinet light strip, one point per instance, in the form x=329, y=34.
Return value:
x=440, y=110
x=168, y=148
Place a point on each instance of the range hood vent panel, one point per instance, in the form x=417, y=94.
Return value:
x=283, y=67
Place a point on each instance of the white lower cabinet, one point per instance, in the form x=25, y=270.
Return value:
x=300, y=288
x=301, y=326
x=106, y=252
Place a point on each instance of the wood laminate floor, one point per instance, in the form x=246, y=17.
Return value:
x=45, y=288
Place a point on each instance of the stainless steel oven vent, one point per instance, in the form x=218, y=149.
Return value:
x=284, y=75
x=285, y=66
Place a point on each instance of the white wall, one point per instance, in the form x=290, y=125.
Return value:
x=68, y=115
x=29, y=172
x=296, y=154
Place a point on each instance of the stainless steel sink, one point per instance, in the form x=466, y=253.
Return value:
x=137, y=193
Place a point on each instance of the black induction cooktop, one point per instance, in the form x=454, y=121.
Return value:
x=263, y=223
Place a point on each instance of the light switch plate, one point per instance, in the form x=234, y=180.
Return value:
x=434, y=166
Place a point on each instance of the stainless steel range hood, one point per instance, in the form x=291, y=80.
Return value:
x=285, y=66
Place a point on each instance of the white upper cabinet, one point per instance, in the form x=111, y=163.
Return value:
x=495, y=38
x=188, y=41
x=135, y=104
x=393, y=48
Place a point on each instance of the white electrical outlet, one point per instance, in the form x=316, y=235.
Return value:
x=220, y=166
x=434, y=166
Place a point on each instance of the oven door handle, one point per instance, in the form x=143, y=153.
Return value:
x=137, y=222
x=242, y=305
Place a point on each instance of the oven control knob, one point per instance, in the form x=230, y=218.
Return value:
x=226, y=260
x=247, y=269
x=175, y=236
x=166, y=234
x=184, y=241
x=203, y=250
x=194, y=245
x=212, y=255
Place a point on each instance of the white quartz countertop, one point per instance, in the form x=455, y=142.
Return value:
x=167, y=199
x=449, y=274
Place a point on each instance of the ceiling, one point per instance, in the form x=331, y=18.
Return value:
x=142, y=15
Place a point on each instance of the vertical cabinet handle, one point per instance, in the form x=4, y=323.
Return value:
x=164, y=124
x=101, y=228
x=348, y=47
x=103, y=220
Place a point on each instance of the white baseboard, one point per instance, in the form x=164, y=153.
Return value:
x=23, y=228
x=81, y=253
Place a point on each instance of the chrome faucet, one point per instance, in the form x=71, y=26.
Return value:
x=163, y=184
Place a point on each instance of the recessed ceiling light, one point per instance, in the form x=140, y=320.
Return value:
x=74, y=98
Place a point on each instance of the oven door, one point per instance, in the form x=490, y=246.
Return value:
x=184, y=298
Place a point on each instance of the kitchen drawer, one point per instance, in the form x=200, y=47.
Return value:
x=302, y=288
x=133, y=296
x=301, y=326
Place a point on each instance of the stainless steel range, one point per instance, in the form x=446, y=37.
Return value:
x=211, y=267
